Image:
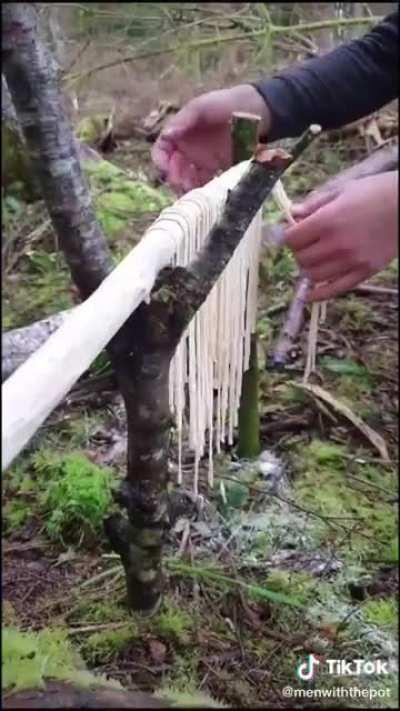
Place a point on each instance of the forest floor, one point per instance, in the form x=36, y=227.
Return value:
x=294, y=556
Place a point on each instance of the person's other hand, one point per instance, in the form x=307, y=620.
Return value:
x=346, y=236
x=196, y=143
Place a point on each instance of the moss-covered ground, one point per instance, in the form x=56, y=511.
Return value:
x=272, y=570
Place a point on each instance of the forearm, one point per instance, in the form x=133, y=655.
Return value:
x=351, y=82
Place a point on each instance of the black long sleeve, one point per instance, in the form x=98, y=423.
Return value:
x=350, y=82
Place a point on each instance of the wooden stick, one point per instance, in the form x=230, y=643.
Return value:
x=244, y=131
x=372, y=289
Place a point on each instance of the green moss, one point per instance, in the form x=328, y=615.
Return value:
x=101, y=611
x=356, y=315
x=105, y=644
x=326, y=453
x=77, y=498
x=91, y=128
x=172, y=623
x=232, y=495
x=30, y=658
x=182, y=679
x=15, y=514
x=118, y=198
x=16, y=166
x=300, y=584
x=383, y=613
x=189, y=699
x=322, y=485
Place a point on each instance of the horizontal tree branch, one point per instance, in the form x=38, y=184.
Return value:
x=211, y=41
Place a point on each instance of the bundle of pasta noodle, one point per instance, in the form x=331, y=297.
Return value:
x=208, y=365
x=214, y=351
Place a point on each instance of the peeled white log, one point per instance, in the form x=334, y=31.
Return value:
x=38, y=386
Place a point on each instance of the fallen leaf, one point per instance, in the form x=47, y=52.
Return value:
x=374, y=438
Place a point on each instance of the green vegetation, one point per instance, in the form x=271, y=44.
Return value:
x=290, y=583
x=15, y=515
x=120, y=199
x=172, y=623
x=30, y=658
x=189, y=698
x=43, y=288
x=44, y=281
x=214, y=576
x=383, y=613
x=105, y=644
x=325, y=485
x=69, y=492
x=77, y=499
x=101, y=611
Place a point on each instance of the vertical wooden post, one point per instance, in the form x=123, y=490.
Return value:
x=244, y=131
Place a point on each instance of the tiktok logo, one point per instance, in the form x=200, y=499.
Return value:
x=305, y=671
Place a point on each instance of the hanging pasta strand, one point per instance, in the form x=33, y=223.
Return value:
x=207, y=368
x=209, y=362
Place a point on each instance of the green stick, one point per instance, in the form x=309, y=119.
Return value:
x=244, y=128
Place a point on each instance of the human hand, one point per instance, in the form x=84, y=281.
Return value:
x=346, y=236
x=196, y=143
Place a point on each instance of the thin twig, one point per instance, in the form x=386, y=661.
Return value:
x=370, y=484
x=105, y=574
x=372, y=289
x=96, y=628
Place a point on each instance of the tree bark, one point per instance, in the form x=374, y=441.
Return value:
x=158, y=327
x=33, y=83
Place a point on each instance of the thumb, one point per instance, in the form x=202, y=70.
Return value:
x=317, y=199
x=184, y=121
